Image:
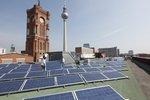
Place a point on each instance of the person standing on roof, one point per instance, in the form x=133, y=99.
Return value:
x=43, y=62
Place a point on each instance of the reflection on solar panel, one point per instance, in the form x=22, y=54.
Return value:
x=102, y=93
x=13, y=76
x=39, y=83
x=10, y=86
x=69, y=79
x=91, y=69
x=76, y=70
x=58, y=72
x=114, y=75
x=37, y=74
x=91, y=77
x=62, y=96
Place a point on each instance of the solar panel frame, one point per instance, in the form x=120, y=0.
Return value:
x=120, y=97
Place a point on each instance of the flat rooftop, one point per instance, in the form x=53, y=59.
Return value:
x=129, y=88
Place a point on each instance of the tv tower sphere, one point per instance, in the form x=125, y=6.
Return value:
x=64, y=15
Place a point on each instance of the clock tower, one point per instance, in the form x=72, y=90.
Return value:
x=37, y=41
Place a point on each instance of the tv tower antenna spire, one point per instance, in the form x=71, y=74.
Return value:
x=64, y=16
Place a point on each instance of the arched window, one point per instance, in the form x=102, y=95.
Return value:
x=40, y=45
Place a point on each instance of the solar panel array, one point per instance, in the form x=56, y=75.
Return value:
x=28, y=77
x=98, y=93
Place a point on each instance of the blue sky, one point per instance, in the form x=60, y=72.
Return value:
x=102, y=23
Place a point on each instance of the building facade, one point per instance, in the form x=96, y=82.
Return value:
x=83, y=52
x=15, y=58
x=37, y=40
x=109, y=52
x=130, y=52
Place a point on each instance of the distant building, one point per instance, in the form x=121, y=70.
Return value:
x=109, y=52
x=130, y=53
x=2, y=51
x=86, y=45
x=83, y=52
x=12, y=48
x=15, y=58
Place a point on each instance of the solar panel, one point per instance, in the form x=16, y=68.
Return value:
x=6, y=70
x=101, y=93
x=114, y=75
x=69, y=79
x=13, y=65
x=95, y=65
x=68, y=67
x=77, y=70
x=3, y=65
x=58, y=72
x=39, y=83
x=84, y=66
x=120, y=68
x=13, y=76
x=10, y=86
x=53, y=65
x=106, y=69
x=36, y=68
x=91, y=77
x=37, y=74
x=62, y=96
x=91, y=69
x=21, y=69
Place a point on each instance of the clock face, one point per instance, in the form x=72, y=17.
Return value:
x=42, y=20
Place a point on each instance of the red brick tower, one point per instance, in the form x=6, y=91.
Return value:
x=37, y=41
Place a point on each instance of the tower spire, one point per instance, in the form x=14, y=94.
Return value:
x=38, y=2
x=65, y=3
x=64, y=16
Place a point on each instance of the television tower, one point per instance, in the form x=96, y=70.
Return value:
x=64, y=16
